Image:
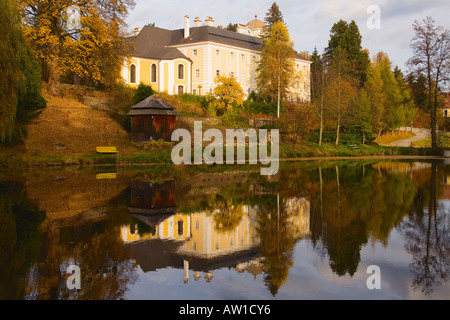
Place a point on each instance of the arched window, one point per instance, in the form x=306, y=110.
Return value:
x=180, y=71
x=133, y=73
x=153, y=73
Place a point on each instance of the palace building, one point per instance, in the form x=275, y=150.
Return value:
x=188, y=60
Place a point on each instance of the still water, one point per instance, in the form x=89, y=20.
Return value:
x=310, y=232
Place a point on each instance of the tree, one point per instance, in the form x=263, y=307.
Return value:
x=228, y=93
x=418, y=86
x=361, y=114
x=20, y=88
x=318, y=67
x=338, y=95
x=374, y=88
x=275, y=67
x=347, y=37
x=394, y=109
x=11, y=46
x=232, y=27
x=30, y=102
x=92, y=51
x=340, y=90
x=431, y=55
x=273, y=16
x=409, y=108
x=143, y=91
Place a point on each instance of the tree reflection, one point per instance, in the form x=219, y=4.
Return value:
x=427, y=236
x=354, y=204
x=227, y=214
x=277, y=241
x=20, y=235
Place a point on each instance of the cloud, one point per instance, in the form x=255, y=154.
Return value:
x=309, y=22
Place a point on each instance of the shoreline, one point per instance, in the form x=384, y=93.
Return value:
x=98, y=161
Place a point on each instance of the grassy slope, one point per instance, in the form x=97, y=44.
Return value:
x=386, y=140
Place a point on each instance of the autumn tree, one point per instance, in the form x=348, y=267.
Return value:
x=374, y=88
x=340, y=91
x=92, y=49
x=275, y=67
x=360, y=114
x=431, y=56
x=318, y=70
x=227, y=93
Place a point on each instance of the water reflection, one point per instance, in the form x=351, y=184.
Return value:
x=225, y=231
x=199, y=224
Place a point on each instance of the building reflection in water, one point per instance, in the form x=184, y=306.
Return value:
x=161, y=237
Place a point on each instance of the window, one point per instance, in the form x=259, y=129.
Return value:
x=180, y=71
x=232, y=74
x=217, y=53
x=197, y=225
x=232, y=55
x=197, y=73
x=180, y=227
x=217, y=72
x=194, y=91
x=304, y=68
x=446, y=113
x=298, y=67
x=195, y=52
x=133, y=73
x=242, y=57
x=153, y=73
x=254, y=59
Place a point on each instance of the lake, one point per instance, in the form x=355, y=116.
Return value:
x=316, y=230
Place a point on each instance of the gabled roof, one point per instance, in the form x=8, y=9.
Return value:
x=206, y=33
x=157, y=43
x=153, y=106
x=151, y=43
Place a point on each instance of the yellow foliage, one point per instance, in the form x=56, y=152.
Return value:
x=228, y=92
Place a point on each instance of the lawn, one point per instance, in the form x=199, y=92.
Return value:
x=443, y=141
x=386, y=140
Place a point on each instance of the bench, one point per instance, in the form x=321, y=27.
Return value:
x=109, y=175
x=106, y=150
x=353, y=146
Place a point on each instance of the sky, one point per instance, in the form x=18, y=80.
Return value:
x=309, y=22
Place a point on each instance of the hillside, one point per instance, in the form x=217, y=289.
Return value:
x=68, y=127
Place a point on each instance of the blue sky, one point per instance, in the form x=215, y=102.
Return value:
x=309, y=22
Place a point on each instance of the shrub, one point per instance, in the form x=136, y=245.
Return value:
x=234, y=120
x=143, y=91
x=119, y=104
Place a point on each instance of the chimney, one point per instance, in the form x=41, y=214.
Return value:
x=136, y=31
x=209, y=21
x=197, y=22
x=186, y=26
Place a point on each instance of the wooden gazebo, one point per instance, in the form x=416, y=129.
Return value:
x=152, y=119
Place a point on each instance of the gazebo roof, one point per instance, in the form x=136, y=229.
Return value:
x=153, y=105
